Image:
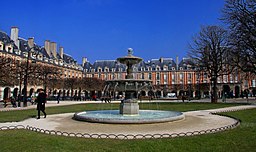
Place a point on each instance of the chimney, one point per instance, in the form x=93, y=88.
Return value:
x=161, y=60
x=84, y=60
x=31, y=42
x=47, y=47
x=177, y=63
x=53, y=48
x=15, y=36
x=61, y=49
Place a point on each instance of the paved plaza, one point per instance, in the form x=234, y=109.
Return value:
x=194, y=121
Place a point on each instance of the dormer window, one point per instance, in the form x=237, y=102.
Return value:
x=99, y=69
x=106, y=69
x=157, y=68
x=25, y=54
x=9, y=49
x=165, y=68
x=40, y=57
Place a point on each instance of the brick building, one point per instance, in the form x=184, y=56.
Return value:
x=167, y=74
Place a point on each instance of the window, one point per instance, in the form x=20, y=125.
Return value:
x=173, y=76
x=231, y=78
x=205, y=75
x=150, y=76
x=253, y=83
x=157, y=82
x=218, y=80
x=246, y=83
x=225, y=78
x=165, y=78
x=142, y=76
x=181, y=75
x=158, y=76
x=189, y=76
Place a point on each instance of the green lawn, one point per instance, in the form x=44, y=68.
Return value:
x=242, y=138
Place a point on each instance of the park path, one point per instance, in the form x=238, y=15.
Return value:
x=203, y=121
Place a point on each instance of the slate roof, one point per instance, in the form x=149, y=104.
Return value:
x=68, y=59
x=23, y=43
x=187, y=64
x=6, y=39
x=113, y=64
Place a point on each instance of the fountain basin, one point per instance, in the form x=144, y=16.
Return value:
x=144, y=117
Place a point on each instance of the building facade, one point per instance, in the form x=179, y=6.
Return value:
x=173, y=76
x=22, y=50
x=168, y=75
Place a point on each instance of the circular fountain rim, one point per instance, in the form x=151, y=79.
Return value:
x=79, y=116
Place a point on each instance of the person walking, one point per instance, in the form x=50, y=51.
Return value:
x=58, y=98
x=183, y=98
x=41, y=100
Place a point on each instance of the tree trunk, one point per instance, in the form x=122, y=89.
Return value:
x=214, y=98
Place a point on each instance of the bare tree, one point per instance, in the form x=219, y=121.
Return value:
x=5, y=64
x=210, y=52
x=71, y=83
x=45, y=74
x=240, y=15
x=92, y=84
x=54, y=83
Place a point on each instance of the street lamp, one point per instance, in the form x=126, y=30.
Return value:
x=26, y=74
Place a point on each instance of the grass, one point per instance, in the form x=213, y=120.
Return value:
x=239, y=139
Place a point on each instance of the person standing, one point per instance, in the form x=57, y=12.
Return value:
x=41, y=100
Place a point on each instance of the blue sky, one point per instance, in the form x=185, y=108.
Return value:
x=104, y=29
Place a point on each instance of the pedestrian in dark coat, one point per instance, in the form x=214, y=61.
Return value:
x=58, y=98
x=41, y=100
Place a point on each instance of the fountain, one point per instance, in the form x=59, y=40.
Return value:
x=129, y=112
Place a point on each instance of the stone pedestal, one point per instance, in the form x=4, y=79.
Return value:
x=129, y=107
